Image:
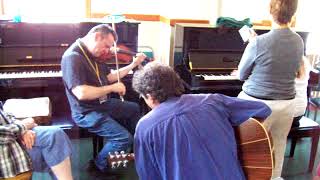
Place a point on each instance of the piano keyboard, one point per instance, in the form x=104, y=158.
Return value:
x=30, y=74
x=218, y=77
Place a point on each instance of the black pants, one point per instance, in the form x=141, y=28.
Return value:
x=295, y=122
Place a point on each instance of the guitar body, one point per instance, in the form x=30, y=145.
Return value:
x=254, y=151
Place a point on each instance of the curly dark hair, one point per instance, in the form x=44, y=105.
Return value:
x=104, y=29
x=160, y=81
x=282, y=11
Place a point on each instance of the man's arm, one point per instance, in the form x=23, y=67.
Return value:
x=247, y=60
x=10, y=132
x=113, y=77
x=144, y=160
x=240, y=110
x=86, y=92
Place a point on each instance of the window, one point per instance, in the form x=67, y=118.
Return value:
x=45, y=10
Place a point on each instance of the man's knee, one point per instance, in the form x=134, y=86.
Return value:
x=135, y=106
x=134, y=110
x=123, y=142
x=127, y=139
x=50, y=134
x=56, y=132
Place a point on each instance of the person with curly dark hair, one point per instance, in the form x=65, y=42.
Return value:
x=269, y=66
x=187, y=136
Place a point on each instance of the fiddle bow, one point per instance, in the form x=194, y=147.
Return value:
x=116, y=56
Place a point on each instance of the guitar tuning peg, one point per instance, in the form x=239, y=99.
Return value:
x=125, y=163
x=113, y=165
x=119, y=163
x=123, y=154
x=111, y=156
x=117, y=154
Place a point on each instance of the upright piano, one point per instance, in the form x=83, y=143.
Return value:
x=30, y=55
x=205, y=56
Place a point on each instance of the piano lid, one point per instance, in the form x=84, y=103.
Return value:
x=213, y=60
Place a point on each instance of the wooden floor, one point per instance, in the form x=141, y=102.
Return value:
x=296, y=168
x=293, y=169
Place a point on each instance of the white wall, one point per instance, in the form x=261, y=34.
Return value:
x=259, y=10
x=174, y=9
x=307, y=20
x=184, y=9
x=46, y=10
x=126, y=6
x=256, y=10
x=307, y=15
x=157, y=36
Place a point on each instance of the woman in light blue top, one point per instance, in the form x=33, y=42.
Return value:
x=268, y=67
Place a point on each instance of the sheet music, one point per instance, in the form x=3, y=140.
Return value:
x=23, y=108
x=246, y=33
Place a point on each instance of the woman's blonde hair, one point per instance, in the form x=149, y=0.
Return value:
x=302, y=69
x=282, y=11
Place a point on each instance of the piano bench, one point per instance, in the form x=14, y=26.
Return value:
x=66, y=123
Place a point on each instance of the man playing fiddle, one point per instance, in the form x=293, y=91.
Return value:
x=88, y=83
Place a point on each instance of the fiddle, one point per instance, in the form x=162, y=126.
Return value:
x=125, y=54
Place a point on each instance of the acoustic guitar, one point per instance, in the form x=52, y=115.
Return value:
x=254, y=151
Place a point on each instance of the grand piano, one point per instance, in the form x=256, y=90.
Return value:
x=30, y=55
x=205, y=57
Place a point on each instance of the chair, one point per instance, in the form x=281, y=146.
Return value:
x=307, y=128
x=23, y=176
x=313, y=93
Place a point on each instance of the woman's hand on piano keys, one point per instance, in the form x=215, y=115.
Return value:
x=234, y=73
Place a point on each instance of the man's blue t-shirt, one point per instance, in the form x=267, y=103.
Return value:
x=191, y=137
x=76, y=71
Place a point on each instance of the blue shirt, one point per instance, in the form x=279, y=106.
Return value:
x=269, y=65
x=76, y=71
x=191, y=137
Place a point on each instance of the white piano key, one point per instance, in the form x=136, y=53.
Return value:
x=30, y=74
x=219, y=77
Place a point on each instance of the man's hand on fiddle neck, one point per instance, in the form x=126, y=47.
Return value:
x=140, y=57
x=113, y=76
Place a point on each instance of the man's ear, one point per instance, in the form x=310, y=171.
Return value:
x=149, y=97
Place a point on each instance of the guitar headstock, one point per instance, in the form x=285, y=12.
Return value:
x=117, y=160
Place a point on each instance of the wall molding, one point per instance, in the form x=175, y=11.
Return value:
x=154, y=18
x=1, y=7
x=88, y=8
x=193, y=21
